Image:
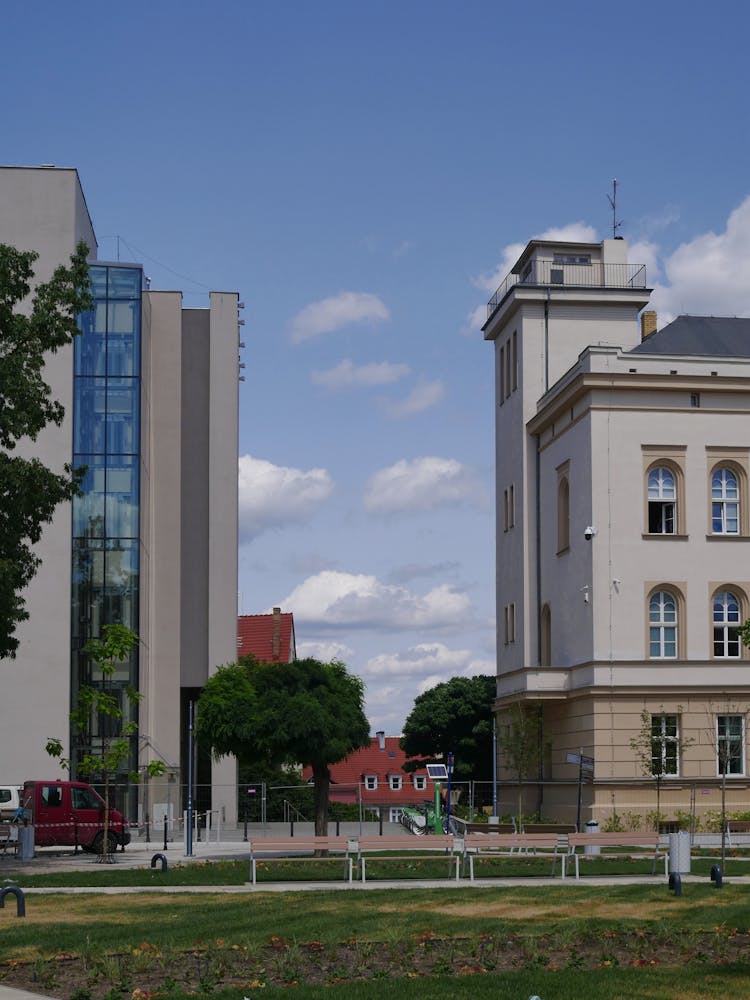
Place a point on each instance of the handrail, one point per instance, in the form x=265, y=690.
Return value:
x=551, y=274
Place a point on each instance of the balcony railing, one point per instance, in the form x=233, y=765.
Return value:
x=548, y=273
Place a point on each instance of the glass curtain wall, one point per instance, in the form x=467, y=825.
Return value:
x=106, y=517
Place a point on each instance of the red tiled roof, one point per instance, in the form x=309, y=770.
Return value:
x=350, y=772
x=269, y=638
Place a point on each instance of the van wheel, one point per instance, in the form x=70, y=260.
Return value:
x=98, y=841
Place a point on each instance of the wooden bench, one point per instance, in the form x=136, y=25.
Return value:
x=629, y=845
x=484, y=827
x=737, y=826
x=404, y=848
x=505, y=845
x=286, y=849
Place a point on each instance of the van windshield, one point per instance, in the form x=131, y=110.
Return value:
x=84, y=798
x=4, y=794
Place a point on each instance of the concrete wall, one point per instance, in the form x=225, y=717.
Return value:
x=45, y=211
x=161, y=526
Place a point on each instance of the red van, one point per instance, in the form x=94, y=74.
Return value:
x=69, y=812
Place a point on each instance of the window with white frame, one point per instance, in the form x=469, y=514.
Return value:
x=662, y=625
x=726, y=624
x=665, y=744
x=371, y=782
x=394, y=815
x=730, y=744
x=662, y=501
x=725, y=502
x=396, y=782
x=420, y=782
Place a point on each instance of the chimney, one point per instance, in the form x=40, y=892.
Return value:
x=648, y=323
x=276, y=640
x=381, y=738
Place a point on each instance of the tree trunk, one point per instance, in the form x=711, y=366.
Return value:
x=322, y=780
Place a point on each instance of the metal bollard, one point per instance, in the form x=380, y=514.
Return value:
x=675, y=883
x=717, y=876
x=20, y=899
x=165, y=833
x=148, y=830
x=159, y=857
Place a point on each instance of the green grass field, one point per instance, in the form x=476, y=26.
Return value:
x=560, y=941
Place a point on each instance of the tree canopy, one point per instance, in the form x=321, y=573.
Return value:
x=454, y=716
x=29, y=491
x=304, y=712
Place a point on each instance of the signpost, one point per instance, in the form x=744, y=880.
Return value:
x=585, y=766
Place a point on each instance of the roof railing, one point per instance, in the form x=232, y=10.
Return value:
x=551, y=274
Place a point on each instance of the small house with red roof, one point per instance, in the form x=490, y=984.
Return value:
x=375, y=775
x=269, y=638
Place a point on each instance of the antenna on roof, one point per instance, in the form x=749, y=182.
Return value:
x=612, y=199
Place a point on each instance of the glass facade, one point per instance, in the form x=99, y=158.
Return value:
x=106, y=517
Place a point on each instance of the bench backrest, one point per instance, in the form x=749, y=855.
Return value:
x=496, y=841
x=262, y=844
x=614, y=839
x=558, y=828
x=738, y=825
x=433, y=842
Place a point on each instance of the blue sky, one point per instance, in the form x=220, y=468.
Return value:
x=363, y=174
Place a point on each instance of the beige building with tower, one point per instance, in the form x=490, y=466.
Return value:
x=623, y=539
x=150, y=391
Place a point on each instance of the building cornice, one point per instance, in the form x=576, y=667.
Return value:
x=561, y=400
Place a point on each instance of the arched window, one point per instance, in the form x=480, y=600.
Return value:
x=662, y=625
x=563, y=514
x=725, y=502
x=662, y=501
x=726, y=622
x=545, y=653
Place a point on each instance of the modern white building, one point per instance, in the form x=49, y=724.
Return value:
x=150, y=391
x=623, y=539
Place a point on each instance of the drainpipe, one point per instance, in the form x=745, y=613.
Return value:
x=546, y=341
x=538, y=533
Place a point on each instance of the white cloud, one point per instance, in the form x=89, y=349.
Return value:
x=325, y=651
x=424, y=658
x=361, y=601
x=339, y=310
x=271, y=496
x=574, y=232
x=421, y=484
x=422, y=397
x=709, y=275
x=347, y=375
x=475, y=320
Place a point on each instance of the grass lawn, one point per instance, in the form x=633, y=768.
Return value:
x=561, y=941
x=273, y=870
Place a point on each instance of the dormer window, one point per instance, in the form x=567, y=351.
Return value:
x=420, y=782
x=371, y=782
x=396, y=782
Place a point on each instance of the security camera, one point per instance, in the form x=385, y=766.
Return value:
x=588, y=533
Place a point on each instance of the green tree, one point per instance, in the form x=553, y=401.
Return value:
x=658, y=748
x=29, y=491
x=100, y=701
x=304, y=712
x=454, y=716
x=520, y=748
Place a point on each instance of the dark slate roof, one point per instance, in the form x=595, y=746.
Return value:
x=716, y=336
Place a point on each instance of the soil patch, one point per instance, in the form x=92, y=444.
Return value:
x=148, y=970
